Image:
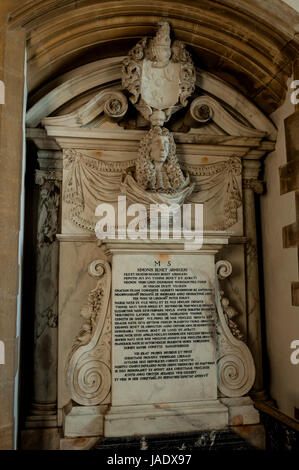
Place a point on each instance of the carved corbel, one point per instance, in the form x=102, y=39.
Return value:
x=236, y=370
x=89, y=364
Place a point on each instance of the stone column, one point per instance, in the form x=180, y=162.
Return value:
x=252, y=186
x=43, y=411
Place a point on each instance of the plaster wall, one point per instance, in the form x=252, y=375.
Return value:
x=292, y=3
x=280, y=269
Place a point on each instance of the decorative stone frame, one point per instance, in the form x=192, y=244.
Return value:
x=14, y=30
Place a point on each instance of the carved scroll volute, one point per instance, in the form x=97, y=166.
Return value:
x=236, y=370
x=89, y=365
x=116, y=106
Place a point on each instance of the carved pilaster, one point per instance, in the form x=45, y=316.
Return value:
x=252, y=186
x=48, y=178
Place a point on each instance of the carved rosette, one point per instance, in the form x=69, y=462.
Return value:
x=89, y=364
x=236, y=370
x=116, y=106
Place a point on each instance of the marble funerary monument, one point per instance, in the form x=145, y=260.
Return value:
x=152, y=337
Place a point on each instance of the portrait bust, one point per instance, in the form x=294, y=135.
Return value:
x=157, y=168
x=160, y=77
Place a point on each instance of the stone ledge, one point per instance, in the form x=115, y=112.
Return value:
x=151, y=419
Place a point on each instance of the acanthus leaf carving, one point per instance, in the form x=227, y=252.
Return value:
x=236, y=370
x=229, y=313
x=131, y=70
x=187, y=74
x=89, y=364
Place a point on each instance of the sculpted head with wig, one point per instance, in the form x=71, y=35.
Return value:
x=157, y=168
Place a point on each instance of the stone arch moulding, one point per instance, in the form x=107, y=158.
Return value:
x=68, y=112
x=59, y=37
x=218, y=31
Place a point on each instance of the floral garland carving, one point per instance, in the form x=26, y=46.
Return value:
x=229, y=313
x=233, y=165
x=88, y=372
x=236, y=370
x=70, y=156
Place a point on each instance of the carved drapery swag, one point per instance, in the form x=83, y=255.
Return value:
x=90, y=182
x=216, y=186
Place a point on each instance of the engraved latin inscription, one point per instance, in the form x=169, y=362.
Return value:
x=164, y=324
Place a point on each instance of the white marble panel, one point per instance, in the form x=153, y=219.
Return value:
x=164, y=335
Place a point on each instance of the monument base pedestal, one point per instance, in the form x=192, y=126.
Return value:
x=163, y=417
x=231, y=439
x=155, y=419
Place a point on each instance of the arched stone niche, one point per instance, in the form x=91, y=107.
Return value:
x=61, y=34
x=87, y=133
